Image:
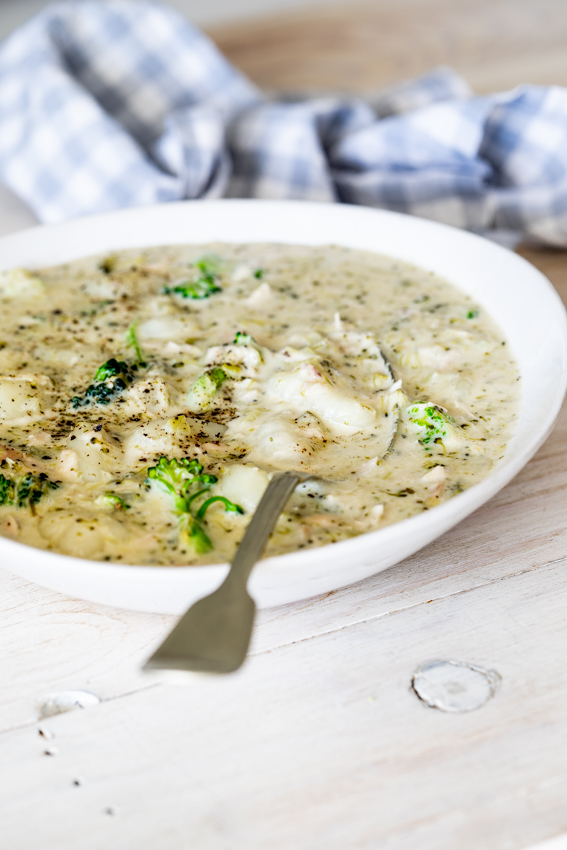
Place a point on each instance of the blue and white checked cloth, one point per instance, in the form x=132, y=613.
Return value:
x=118, y=103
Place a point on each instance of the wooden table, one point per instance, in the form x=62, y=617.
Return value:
x=320, y=740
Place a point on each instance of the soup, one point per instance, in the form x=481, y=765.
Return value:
x=147, y=396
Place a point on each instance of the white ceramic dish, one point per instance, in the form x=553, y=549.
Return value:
x=518, y=297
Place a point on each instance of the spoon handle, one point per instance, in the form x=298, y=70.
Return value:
x=261, y=525
x=213, y=636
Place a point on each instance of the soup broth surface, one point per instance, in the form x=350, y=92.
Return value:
x=147, y=396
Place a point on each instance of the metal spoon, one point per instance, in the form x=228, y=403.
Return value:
x=214, y=635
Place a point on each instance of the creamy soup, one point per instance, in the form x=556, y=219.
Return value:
x=146, y=397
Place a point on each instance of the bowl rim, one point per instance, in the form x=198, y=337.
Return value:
x=461, y=506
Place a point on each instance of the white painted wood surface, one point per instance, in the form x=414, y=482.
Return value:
x=320, y=740
x=557, y=843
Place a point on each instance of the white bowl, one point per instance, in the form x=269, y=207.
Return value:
x=518, y=297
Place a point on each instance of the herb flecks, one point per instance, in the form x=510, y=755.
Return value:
x=204, y=285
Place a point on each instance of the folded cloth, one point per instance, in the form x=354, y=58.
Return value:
x=116, y=103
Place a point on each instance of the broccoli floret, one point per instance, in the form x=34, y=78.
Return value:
x=7, y=491
x=433, y=425
x=186, y=481
x=179, y=478
x=204, y=285
x=112, y=378
x=204, y=388
x=242, y=338
x=111, y=500
x=27, y=490
x=430, y=422
x=196, y=289
x=132, y=339
x=24, y=491
x=111, y=369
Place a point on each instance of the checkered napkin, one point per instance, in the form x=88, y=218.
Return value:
x=118, y=103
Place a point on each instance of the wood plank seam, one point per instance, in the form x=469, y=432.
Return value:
x=321, y=634
x=415, y=605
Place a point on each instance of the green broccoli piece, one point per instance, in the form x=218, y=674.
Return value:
x=433, y=425
x=259, y=274
x=242, y=338
x=185, y=481
x=228, y=506
x=7, y=491
x=111, y=379
x=430, y=421
x=25, y=491
x=204, y=388
x=132, y=339
x=179, y=477
x=204, y=285
x=111, y=369
x=111, y=500
x=192, y=533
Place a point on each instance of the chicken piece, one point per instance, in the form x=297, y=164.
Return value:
x=365, y=356
x=434, y=357
x=435, y=480
x=150, y=396
x=82, y=533
x=27, y=461
x=24, y=398
x=20, y=283
x=279, y=442
x=92, y=455
x=158, y=437
x=262, y=298
x=306, y=389
x=237, y=360
x=165, y=329
x=243, y=484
